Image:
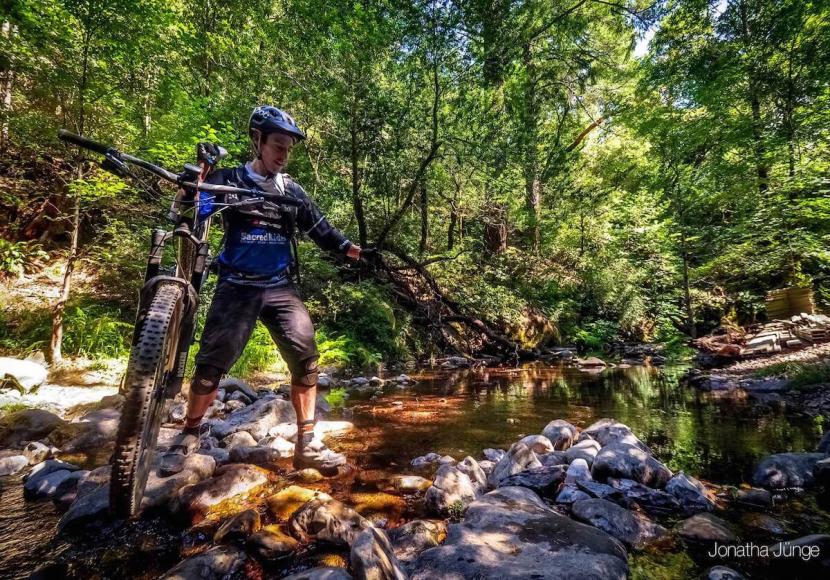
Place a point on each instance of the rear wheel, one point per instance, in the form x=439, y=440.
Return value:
x=151, y=363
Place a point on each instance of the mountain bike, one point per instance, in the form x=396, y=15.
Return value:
x=167, y=307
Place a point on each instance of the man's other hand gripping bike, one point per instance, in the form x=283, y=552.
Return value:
x=167, y=307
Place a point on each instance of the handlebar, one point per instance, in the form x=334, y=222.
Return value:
x=181, y=179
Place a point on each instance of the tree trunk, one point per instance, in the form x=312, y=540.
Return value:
x=533, y=186
x=687, y=293
x=762, y=169
x=422, y=245
x=55, y=355
x=6, y=84
x=357, y=202
x=451, y=228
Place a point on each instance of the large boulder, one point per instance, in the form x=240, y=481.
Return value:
x=45, y=485
x=545, y=481
x=586, y=449
x=27, y=425
x=36, y=452
x=271, y=543
x=560, y=433
x=690, y=493
x=231, y=385
x=256, y=419
x=238, y=526
x=414, y=537
x=787, y=470
x=607, y=431
x=624, y=460
x=87, y=508
x=706, y=528
x=633, y=529
x=655, y=502
x=217, y=563
x=516, y=460
x=510, y=533
x=93, y=431
x=451, y=490
x=67, y=490
x=539, y=444
x=804, y=557
x=327, y=520
x=228, y=481
x=372, y=557
x=824, y=445
x=25, y=375
x=474, y=471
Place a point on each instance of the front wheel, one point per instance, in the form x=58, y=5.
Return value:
x=151, y=362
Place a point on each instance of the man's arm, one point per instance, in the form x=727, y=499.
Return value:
x=312, y=222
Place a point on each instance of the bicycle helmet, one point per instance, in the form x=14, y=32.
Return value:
x=267, y=119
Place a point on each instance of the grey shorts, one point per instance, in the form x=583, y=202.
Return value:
x=233, y=314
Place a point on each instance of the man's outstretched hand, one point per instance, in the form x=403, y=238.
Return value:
x=353, y=253
x=210, y=153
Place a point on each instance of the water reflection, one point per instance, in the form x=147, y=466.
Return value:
x=463, y=412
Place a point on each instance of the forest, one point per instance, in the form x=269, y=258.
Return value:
x=583, y=173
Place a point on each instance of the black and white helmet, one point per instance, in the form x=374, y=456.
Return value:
x=267, y=119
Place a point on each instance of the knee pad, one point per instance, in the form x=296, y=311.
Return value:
x=205, y=379
x=306, y=373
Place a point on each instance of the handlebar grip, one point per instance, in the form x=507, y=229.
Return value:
x=70, y=137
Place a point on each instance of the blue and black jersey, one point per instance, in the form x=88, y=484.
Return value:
x=260, y=254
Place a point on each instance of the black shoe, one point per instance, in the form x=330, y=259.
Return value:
x=172, y=461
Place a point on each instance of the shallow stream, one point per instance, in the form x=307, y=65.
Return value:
x=457, y=413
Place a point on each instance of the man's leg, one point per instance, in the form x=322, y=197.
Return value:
x=290, y=326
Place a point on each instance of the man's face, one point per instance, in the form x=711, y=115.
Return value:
x=275, y=150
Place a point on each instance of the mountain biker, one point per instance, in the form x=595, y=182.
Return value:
x=255, y=282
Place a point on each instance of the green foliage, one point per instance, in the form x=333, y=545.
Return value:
x=260, y=355
x=19, y=257
x=336, y=397
x=799, y=374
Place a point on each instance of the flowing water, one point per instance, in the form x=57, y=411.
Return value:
x=457, y=413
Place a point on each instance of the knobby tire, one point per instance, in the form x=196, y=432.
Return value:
x=151, y=361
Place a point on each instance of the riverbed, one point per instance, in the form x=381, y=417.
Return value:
x=457, y=413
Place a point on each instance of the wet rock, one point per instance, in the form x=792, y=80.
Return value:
x=425, y=460
x=27, y=425
x=487, y=467
x=372, y=557
x=754, y=497
x=786, y=470
x=706, y=528
x=160, y=490
x=309, y=475
x=217, y=563
x=233, y=385
x=477, y=476
x=655, y=502
x=24, y=374
x=36, y=452
x=228, y=481
x=578, y=471
x=324, y=573
x=287, y=431
x=256, y=419
x=571, y=493
x=608, y=431
x=93, y=431
x=239, y=396
x=324, y=381
x=285, y=502
x=517, y=459
x=560, y=433
x=511, y=533
x=586, y=450
x=539, y=444
x=284, y=447
x=271, y=543
x=603, y=491
x=410, y=483
x=232, y=406
x=238, y=439
x=553, y=458
x=256, y=455
x=623, y=460
x=98, y=477
x=412, y=538
x=633, y=529
x=220, y=456
x=327, y=521
x=322, y=428
x=67, y=490
x=238, y=527
x=764, y=524
x=824, y=445
x=591, y=361
x=49, y=466
x=495, y=455
x=451, y=490
x=86, y=508
x=690, y=493
x=45, y=486
x=545, y=481
x=12, y=463
x=177, y=412
x=821, y=473
x=722, y=573
x=446, y=460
